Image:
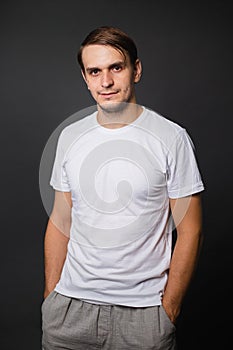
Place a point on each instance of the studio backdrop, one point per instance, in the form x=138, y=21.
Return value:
x=186, y=54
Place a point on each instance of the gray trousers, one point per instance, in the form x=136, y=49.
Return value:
x=72, y=324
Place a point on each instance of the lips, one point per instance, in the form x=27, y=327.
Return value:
x=108, y=94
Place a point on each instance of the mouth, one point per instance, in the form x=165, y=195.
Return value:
x=108, y=94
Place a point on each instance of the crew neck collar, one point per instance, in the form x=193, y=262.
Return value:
x=122, y=128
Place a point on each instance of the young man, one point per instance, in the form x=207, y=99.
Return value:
x=111, y=281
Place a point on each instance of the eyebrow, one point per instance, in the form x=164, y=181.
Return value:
x=117, y=63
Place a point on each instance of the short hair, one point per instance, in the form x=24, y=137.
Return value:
x=110, y=36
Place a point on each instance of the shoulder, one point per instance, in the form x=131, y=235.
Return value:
x=76, y=129
x=163, y=128
x=78, y=126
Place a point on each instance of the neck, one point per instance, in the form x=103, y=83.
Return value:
x=118, y=115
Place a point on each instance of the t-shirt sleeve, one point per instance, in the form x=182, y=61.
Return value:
x=59, y=179
x=183, y=175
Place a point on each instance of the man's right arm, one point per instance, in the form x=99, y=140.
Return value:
x=56, y=240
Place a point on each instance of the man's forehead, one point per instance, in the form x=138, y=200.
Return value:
x=101, y=54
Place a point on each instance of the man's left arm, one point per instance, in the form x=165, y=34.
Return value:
x=187, y=216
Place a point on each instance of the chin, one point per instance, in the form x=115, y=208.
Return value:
x=113, y=107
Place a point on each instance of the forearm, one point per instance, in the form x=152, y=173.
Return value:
x=55, y=250
x=183, y=264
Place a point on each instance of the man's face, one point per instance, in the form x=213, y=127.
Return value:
x=110, y=76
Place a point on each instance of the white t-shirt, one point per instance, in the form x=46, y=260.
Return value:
x=121, y=181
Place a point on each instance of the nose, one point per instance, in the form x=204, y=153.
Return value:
x=107, y=79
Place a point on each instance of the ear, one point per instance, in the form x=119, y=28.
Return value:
x=137, y=71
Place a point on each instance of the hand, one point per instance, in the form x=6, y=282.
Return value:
x=46, y=293
x=171, y=311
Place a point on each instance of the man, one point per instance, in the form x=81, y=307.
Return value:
x=111, y=281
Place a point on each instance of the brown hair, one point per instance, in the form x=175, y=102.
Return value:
x=111, y=36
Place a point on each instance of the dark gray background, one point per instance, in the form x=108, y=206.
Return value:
x=186, y=50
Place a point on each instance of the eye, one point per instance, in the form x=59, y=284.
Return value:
x=94, y=71
x=117, y=68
